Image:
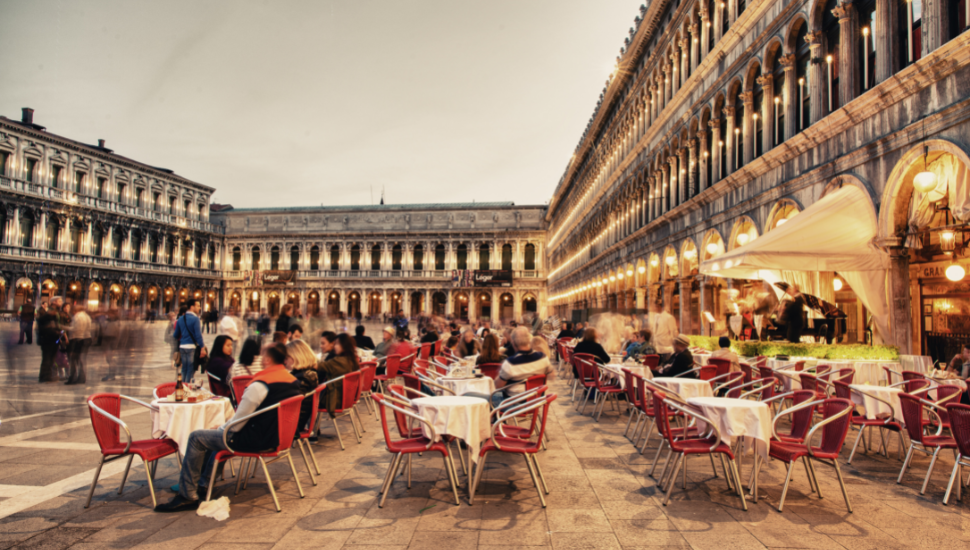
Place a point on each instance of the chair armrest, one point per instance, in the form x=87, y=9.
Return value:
x=811, y=433
x=139, y=402
x=210, y=375
x=497, y=425
x=683, y=374
x=116, y=420
x=792, y=410
x=227, y=430
x=417, y=417
x=697, y=416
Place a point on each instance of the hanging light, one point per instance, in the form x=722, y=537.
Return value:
x=948, y=240
x=620, y=275
x=654, y=262
x=837, y=284
x=670, y=260
x=713, y=248
x=612, y=278
x=629, y=273
x=956, y=272
x=743, y=239
x=925, y=181
x=642, y=270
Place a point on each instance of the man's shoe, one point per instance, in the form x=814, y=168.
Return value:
x=178, y=504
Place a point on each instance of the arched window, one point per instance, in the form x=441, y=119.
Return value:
x=507, y=257
x=722, y=132
x=375, y=257
x=236, y=259
x=355, y=257
x=294, y=258
x=396, y=255
x=199, y=251
x=711, y=6
x=334, y=258
x=274, y=258
x=739, y=136
x=153, y=249
x=256, y=258
x=418, y=258
x=169, y=250
x=483, y=259
x=530, y=257
x=741, y=5
x=832, y=32
x=725, y=18
x=910, y=20
x=803, y=60
x=439, y=257
x=707, y=147
x=212, y=257
x=315, y=258
x=76, y=238
x=956, y=20
x=462, y=257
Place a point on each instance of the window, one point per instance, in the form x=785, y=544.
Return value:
x=418, y=258
x=78, y=182
x=483, y=259
x=156, y=202
x=212, y=257
x=53, y=234
x=121, y=193
x=201, y=212
x=75, y=238
x=153, y=249
x=140, y=198
x=169, y=250
x=255, y=258
x=355, y=258
x=116, y=243
x=375, y=257
x=396, y=255
x=56, y=175
x=315, y=258
x=171, y=206
x=236, y=259
x=97, y=235
x=4, y=159
x=832, y=32
x=27, y=231
x=294, y=258
x=31, y=166
x=199, y=252
x=186, y=208
x=274, y=258
x=99, y=192
x=956, y=19
x=184, y=260
x=711, y=6
x=867, y=42
x=738, y=130
x=780, y=99
x=803, y=60
x=439, y=257
x=530, y=257
x=135, y=246
x=507, y=257
x=334, y=258
x=462, y=257
x=757, y=124
x=910, y=19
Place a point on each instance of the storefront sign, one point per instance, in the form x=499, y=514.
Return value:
x=492, y=277
x=936, y=270
x=278, y=277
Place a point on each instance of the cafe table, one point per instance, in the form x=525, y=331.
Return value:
x=686, y=388
x=614, y=371
x=462, y=417
x=878, y=402
x=462, y=385
x=177, y=420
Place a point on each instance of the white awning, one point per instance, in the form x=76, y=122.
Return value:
x=837, y=233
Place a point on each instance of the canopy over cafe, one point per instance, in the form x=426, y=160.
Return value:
x=898, y=275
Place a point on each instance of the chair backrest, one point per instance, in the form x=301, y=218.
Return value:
x=393, y=364
x=575, y=358
x=598, y=375
x=767, y=387
x=631, y=389
x=408, y=361
x=706, y=372
x=661, y=413
x=400, y=418
x=801, y=421
x=646, y=400
x=960, y=426
x=652, y=361
x=585, y=369
x=421, y=364
x=217, y=386
x=842, y=390
x=368, y=371
x=107, y=431
x=912, y=415
x=535, y=381
x=537, y=417
x=833, y=433
x=948, y=391
x=425, y=352
x=809, y=381
x=845, y=375
x=913, y=375
x=823, y=371
x=748, y=372
x=490, y=370
x=734, y=381
x=915, y=384
x=314, y=409
x=765, y=371
x=437, y=348
x=799, y=365
x=239, y=385
x=723, y=365
x=412, y=381
x=162, y=391
x=351, y=390
x=287, y=419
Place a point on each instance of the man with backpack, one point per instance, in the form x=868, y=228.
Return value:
x=188, y=333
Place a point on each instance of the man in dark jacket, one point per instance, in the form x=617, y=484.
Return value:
x=363, y=342
x=680, y=361
x=48, y=335
x=566, y=332
x=270, y=386
x=27, y=322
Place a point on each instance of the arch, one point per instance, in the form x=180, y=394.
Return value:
x=353, y=304
x=640, y=276
x=744, y=231
x=653, y=268
x=375, y=257
x=772, y=50
x=793, y=31
x=896, y=197
x=530, y=304
x=483, y=303
x=333, y=303
x=712, y=245
x=671, y=270
x=780, y=213
x=460, y=304
x=294, y=257
x=689, y=257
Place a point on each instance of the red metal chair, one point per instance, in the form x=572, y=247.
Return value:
x=650, y=361
x=845, y=376
x=645, y=404
x=304, y=433
x=604, y=390
x=218, y=387
x=801, y=418
x=633, y=399
x=392, y=365
x=918, y=441
x=729, y=381
x=105, y=409
x=913, y=375
x=407, y=362
x=490, y=370
x=843, y=391
x=368, y=373
x=588, y=375
x=706, y=372
x=349, y=396
x=748, y=372
x=834, y=425
x=413, y=442
x=960, y=428
x=946, y=394
x=239, y=385
x=528, y=448
x=578, y=381
x=811, y=382
x=514, y=430
x=762, y=389
x=425, y=351
x=535, y=381
x=164, y=390
x=288, y=416
x=723, y=366
x=686, y=446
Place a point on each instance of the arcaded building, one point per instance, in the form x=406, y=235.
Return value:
x=724, y=121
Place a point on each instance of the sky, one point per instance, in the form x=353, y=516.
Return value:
x=284, y=103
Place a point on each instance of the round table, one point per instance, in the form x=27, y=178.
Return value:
x=874, y=409
x=466, y=418
x=484, y=385
x=686, y=387
x=737, y=418
x=176, y=421
x=615, y=372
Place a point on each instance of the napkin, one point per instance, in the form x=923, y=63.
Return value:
x=216, y=509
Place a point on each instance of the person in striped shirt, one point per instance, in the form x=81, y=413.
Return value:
x=524, y=363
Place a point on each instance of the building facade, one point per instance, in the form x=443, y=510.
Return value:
x=723, y=120
x=383, y=259
x=81, y=222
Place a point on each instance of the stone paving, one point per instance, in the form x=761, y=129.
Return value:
x=601, y=496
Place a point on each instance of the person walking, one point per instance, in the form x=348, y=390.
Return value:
x=48, y=334
x=27, y=322
x=80, y=338
x=283, y=321
x=188, y=333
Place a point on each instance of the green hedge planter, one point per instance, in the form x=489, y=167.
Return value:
x=821, y=351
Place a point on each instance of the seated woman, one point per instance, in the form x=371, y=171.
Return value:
x=490, y=351
x=220, y=366
x=344, y=361
x=302, y=363
x=590, y=345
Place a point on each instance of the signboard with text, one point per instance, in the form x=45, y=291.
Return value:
x=492, y=277
x=277, y=277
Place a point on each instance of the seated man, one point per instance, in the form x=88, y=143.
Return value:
x=385, y=345
x=680, y=361
x=295, y=332
x=524, y=363
x=362, y=342
x=269, y=386
x=640, y=346
x=566, y=331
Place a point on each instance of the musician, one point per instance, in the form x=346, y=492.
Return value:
x=792, y=314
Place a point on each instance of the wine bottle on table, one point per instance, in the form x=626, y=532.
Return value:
x=179, y=389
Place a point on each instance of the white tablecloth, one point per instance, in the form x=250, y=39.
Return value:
x=466, y=418
x=460, y=386
x=701, y=358
x=874, y=409
x=615, y=372
x=177, y=420
x=918, y=363
x=866, y=372
x=736, y=418
x=687, y=387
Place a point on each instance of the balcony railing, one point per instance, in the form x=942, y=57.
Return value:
x=36, y=254
x=381, y=274
x=71, y=198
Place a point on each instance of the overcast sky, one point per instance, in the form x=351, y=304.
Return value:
x=302, y=103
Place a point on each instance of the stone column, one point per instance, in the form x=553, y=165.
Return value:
x=670, y=183
x=685, y=56
x=702, y=161
x=668, y=83
x=685, y=324
x=932, y=33
x=705, y=29
x=790, y=102
x=718, y=20
x=692, y=187
x=654, y=103
x=695, y=43
x=886, y=40
x=900, y=316
x=702, y=303
x=730, y=142
x=849, y=81
x=747, y=123
x=716, y=149
x=767, y=114
x=817, y=79
x=675, y=71
x=682, y=171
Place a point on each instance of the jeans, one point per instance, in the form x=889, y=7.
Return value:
x=78, y=351
x=27, y=331
x=188, y=363
x=200, y=454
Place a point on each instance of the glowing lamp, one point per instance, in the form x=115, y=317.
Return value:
x=654, y=262
x=612, y=278
x=743, y=239
x=629, y=273
x=956, y=272
x=924, y=182
x=837, y=284
x=255, y=295
x=781, y=222
x=670, y=260
x=620, y=275
x=948, y=240
x=642, y=270
x=713, y=248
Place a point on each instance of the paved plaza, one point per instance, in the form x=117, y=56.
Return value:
x=600, y=494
